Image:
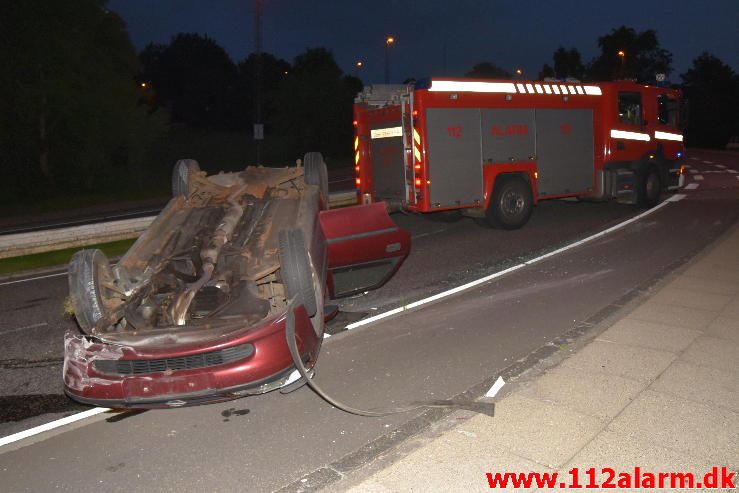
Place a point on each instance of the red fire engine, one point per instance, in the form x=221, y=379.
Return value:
x=493, y=149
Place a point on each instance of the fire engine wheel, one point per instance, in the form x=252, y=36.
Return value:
x=183, y=171
x=650, y=188
x=92, y=288
x=317, y=174
x=511, y=204
x=296, y=272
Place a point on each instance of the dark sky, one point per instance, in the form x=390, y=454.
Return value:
x=437, y=37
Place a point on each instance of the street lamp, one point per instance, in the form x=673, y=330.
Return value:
x=388, y=41
x=359, y=64
x=622, y=55
x=519, y=73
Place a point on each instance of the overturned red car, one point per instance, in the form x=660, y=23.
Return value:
x=195, y=311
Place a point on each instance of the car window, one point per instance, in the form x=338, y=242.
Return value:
x=629, y=108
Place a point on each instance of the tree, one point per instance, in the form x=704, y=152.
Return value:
x=488, y=70
x=273, y=71
x=627, y=54
x=567, y=63
x=69, y=103
x=712, y=94
x=195, y=78
x=314, y=106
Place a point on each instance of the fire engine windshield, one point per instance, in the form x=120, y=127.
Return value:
x=667, y=110
x=629, y=108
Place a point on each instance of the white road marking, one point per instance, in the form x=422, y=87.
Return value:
x=50, y=426
x=708, y=162
x=34, y=278
x=495, y=388
x=732, y=171
x=99, y=410
x=693, y=158
x=693, y=170
x=495, y=275
x=720, y=166
x=692, y=186
x=697, y=177
x=18, y=329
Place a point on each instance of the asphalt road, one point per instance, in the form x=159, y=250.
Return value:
x=266, y=442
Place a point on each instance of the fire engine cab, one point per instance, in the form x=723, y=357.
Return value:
x=493, y=149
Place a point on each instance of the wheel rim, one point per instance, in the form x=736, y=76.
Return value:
x=512, y=203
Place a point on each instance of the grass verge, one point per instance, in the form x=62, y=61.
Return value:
x=59, y=257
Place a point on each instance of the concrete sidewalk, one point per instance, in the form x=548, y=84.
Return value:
x=659, y=389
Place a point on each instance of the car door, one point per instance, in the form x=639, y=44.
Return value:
x=365, y=247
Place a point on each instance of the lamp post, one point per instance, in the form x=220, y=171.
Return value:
x=388, y=41
x=358, y=65
x=622, y=55
x=519, y=73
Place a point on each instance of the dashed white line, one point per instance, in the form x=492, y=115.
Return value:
x=708, y=162
x=498, y=274
x=720, y=166
x=732, y=171
x=698, y=177
x=692, y=186
x=692, y=170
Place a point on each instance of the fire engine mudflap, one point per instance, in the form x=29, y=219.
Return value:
x=493, y=149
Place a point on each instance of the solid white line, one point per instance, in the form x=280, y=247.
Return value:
x=465, y=287
x=692, y=186
x=99, y=410
x=34, y=278
x=697, y=177
x=18, y=329
x=50, y=426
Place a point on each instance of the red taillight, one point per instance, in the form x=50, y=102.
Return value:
x=355, y=123
x=356, y=168
x=358, y=181
x=418, y=182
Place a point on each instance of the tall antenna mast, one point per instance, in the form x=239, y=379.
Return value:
x=258, y=125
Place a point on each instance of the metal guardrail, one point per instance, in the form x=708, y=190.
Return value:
x=15, y=245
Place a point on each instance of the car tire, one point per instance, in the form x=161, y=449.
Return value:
x=296, y=271
x=89, y=271
x=511, y=204
x=650, y=188
x=316, y=173
x=182, y=173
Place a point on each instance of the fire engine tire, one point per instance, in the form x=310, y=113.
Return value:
x=183, y=171
x=650, y=188
x=511, y=204
x=316, y=173
x=296, y=269
x=89, y=270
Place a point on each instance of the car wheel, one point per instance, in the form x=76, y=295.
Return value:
x=650, y=189
x=316, y=173
x=91, y=287
x=511, y=204
x=183, y=171
x=296, y=270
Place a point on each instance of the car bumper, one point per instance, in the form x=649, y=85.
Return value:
x=268, y=366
